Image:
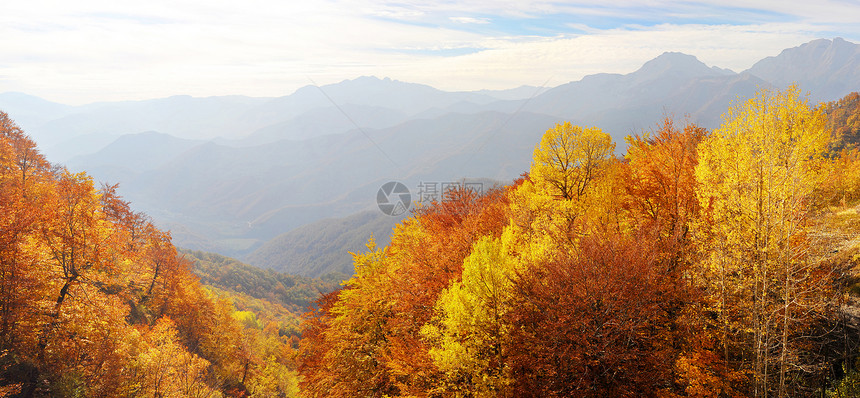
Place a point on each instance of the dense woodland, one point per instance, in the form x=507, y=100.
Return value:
x=271, y=295
x=96, y=302
x=706, y=264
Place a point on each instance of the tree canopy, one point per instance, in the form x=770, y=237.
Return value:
x=700, y=264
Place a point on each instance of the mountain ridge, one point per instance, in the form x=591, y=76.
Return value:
x=318, y=155
x=836, y=73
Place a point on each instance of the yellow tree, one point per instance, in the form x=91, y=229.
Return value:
x=469, y=337
x=76, y=239
x=568, y=181
x=756, y=175
x=346, y=355
x=569, y=157
x=162, y=367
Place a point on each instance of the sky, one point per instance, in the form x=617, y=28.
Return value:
x=83, y=51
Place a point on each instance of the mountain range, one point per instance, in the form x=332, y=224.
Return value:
x=231, y=174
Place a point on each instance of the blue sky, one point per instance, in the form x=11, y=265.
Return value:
x=104, y=50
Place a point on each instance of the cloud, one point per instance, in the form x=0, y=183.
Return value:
x=106, y=50
x=563, y=59
x=470, y=20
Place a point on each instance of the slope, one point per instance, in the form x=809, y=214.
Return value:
x=221, y=194
x=130, y=155
x=673, y=83
x=828, y=69
x=324, y=246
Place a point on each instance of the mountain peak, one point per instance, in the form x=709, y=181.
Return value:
x=821, y=47
x=675, y=64
x=675, y=55
x=674, y=60
x=830, y=67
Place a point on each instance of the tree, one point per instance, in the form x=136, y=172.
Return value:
x=843, y=120
x=95, y=301
x=756, y=175
x=370, y=336
x=569, y=190
x=164, y=368
x=469, y=337
x=23, y=191
x=660, y=179
x=569, y=157
x=317, y=371
x=352, y=343
x=428, y=254
x=595, y=323
x=75, y=238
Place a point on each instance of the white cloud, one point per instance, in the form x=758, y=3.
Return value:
x=469, y=20
x=92, y=50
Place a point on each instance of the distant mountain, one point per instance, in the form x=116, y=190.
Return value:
x=323, y=247
x=132, y=154
x=409, y=98
x=71, y=131
x=241, y=197
x=228, y=174
x=29, y=111
x=672, y=84
x=828, y=69
x=67, y=131
x=182, y=116
x=369, y=91
x=324, y=121
x=512, y=94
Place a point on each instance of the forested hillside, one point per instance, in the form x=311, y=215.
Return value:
x=231, y=174
x=844, y=121
x=321, y=248
x=701, y=264
x=278, y=297
x=96, y=302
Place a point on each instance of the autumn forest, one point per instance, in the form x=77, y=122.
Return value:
x=699, y=263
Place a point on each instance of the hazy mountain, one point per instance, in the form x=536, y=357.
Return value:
x=323, y=152
x=130, y=155
x=407, y=98
x=828, y=69
x=181, y=116
x=256, y=193
x=29, y=111
x=324, y=121
x=518, y=93
x=673, y=83
x=72, y=131
x=65, y=131
x=324, y=246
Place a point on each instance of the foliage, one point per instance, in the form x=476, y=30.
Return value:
x=95, y=301
x=469, y=346
x=317, y=249
x=366, y=339
x=758, y=173
x=294, y=293
x=843, y=121
x=595, y=323
x=701, y=265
